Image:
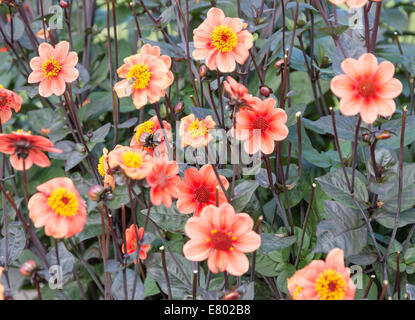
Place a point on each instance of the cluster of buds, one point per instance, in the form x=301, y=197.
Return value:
x=98, y=193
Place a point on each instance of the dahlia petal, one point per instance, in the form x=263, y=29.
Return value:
x=384, y=72
x=368, y=112
x=277, y=131
x=210, y=59
x=215, y=17
x=196, y=250
x=368, y=64
x=139, y=98
x=352, y=68
x=224, y=217
x=217, y=261
x=122, y=88
x=335, y=259
x=385, y=108
x=76, y=224
x=389, y=90
x=186, y=204
x=247, y=242
x=351, y=290
x=5, y=115
x=242, y=224
x=192, y=177
x=35, y=76
x=337, y=2
x=39, y=158
x=351, y=105
x=356, y=3
x=267, y=144
x=69, y=74
x=225, y=62
x=36, y=63
x=17, y=163
x=38, y=209
x=238, y=263
x=245, y=40
x=71, y=60
x=58, y=86
x=56, y=227
x=235, y=24
x=45, y=51
x=166, y=60
x=61, y=51
x=45, y=88
x=342, y=85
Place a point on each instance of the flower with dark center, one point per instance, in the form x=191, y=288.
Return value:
x=221, y=236
x=260, y=126
x=26, y=149
x=199, y=189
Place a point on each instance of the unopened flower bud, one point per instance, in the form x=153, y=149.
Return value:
x=28, y=268
x=325, y=60
x=385, y=134
x=279, y=63
x=233, y=295
x=265, y=91
x=179, y=107
x=95, y=192
x=203, y=70
x=90, y=134
x=366, y=137
x=63, y=4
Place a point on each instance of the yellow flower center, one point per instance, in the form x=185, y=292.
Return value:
x=146, y=126
x=331, y=285
x=20, y=131
x=51, y=68
x=101, y=169
x=140, y=75
x=63, y=202
x=132, y=159
x=223, y=38
x=198, y=128
x=297, y=290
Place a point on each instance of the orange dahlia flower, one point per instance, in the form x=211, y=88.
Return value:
x=26, y=148
x=221, y=236
x=131, y=240
x=323, y=280
x=149, y=137
x=221, y=41
x=261, y=125
x=105, y=170
x=367, y=88
x=58, y=207
x=198, y=190
x=136, y=164
x=238, y=93
x=352, y=3
x=8, y=101
x=195, y=132
x=163, y=180
x=53, y=68
x=146, y=76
